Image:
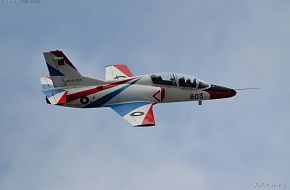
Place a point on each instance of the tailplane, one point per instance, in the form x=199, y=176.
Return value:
x=56, y=96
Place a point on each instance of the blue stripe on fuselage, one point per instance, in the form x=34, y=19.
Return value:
x=101, y=101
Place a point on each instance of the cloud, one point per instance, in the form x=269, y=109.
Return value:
x=220, y=145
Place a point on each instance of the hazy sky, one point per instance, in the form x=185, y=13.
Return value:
x=222, y=145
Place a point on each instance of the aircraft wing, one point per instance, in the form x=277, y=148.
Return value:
x=117, y=72
x=138, y=114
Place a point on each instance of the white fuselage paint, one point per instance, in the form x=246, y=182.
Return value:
x=141, y=91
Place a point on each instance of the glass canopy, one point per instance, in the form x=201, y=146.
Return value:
x=177, y=79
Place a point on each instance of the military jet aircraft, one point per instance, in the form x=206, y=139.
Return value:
x=132, y=97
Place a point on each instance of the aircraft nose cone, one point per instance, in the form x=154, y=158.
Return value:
x=217, y=92
x=232, y=92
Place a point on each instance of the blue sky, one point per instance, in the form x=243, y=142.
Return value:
x=224, y=144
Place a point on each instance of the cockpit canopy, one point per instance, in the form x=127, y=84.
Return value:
x=177, y=79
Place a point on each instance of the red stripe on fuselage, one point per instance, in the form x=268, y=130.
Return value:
x=77, y=95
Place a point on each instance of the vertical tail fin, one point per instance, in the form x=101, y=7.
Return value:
x=63, y=73
x=61, y=70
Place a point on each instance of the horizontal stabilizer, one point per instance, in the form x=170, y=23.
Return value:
x=53, y=96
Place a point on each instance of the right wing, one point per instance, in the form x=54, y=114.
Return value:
x=138, y=114
x=117, y=72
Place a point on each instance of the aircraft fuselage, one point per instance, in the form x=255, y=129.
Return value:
x=139, y=88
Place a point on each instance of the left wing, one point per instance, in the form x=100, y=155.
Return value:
x=117, y=72
x=138, y=114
